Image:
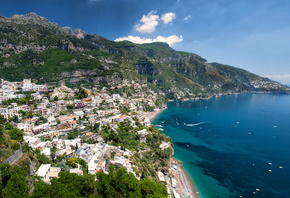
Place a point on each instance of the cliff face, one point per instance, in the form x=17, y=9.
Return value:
x=33, y=47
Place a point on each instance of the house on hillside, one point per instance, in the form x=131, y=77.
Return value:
x=46, y=172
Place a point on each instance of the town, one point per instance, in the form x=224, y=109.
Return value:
x=91, y=130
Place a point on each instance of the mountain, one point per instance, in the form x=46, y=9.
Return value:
x=33, y=47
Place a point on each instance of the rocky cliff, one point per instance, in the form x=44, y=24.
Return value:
x=33, y=47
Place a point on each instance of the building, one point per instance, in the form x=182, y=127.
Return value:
x=43, y=171
x=46, y=172
x=27, y=85
x=164, y=145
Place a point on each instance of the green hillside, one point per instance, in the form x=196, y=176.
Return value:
x=33, y=47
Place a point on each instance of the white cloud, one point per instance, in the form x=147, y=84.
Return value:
x=186, y=18
x=150, y=21
x=171, y=40
x=168, y=17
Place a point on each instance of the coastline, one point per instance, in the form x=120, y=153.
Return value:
x=186, y=184
x=153, y=114
x=195, y=190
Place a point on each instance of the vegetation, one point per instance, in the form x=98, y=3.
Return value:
x=9, y=138
x=12, y=182
x=81, y=94
x=115, y=184
x=95, y=59
x=152, y=158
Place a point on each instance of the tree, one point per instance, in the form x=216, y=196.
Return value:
x=8, y=126
x=152, y=189
x=89, y=186
x=41, y=189
x=81, y=94
x=5, y=170
x=16, y=134
x=16, y=187
x=69, y=106
x=2, y=119
x=1, y=132
x=52, y=152
x=72, y=162
x=42, y=159
x=15, y=118
x=96, y=127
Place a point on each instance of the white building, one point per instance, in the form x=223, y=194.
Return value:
x=43, y=170
x=27, y=85
x=164, y=145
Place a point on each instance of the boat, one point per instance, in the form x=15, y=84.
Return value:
x=270, y=163
x=159, y=125
x=160, y=129
x=281, y=167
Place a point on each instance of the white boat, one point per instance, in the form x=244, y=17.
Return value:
x=160, y=129
x=159, y=125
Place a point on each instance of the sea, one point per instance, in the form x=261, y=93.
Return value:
x=232, y=146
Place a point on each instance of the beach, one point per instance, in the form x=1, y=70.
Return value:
x=185, y=186
x=153, y=114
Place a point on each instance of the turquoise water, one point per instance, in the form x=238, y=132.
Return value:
x=237, y=145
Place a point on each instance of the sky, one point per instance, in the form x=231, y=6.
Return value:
x=250, y=34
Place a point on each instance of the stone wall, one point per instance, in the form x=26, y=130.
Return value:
x=15, y=157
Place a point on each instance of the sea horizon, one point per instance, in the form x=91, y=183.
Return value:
x=234, y=145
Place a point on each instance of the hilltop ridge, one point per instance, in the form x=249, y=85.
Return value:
x=33, y=47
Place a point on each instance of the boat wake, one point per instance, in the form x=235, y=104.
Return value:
x=196, y=124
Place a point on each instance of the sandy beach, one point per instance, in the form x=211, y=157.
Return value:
x=191, y=183
x=153, y=114
x=185, y=186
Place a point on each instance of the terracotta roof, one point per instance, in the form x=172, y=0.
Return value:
x=123, y=116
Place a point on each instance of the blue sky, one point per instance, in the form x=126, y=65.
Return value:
x=249, y=34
